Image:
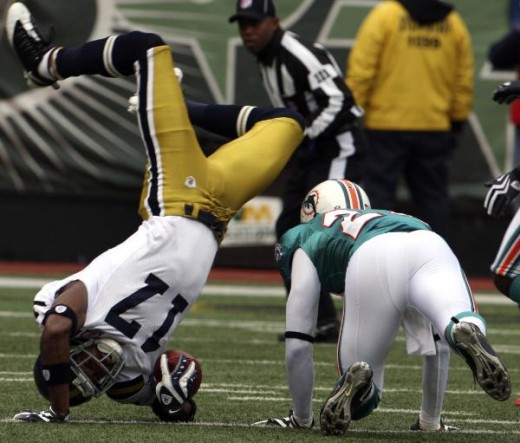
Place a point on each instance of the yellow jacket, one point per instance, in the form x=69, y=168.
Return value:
x=409, y=76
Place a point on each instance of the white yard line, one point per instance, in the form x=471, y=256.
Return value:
x=233, y=290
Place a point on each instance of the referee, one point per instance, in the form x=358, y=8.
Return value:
x=305, y=77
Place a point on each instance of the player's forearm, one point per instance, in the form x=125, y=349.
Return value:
x=55, y=359
x=300, y=375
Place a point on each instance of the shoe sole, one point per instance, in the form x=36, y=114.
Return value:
x=488, y=370
x=18, y=12
x=331, y=420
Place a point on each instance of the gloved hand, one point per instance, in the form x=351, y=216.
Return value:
x=172, y=390
x=133, y=104
x=49, y=416
x=507, y=92
x=133, y=101
x=185, y=413
x=502, y=192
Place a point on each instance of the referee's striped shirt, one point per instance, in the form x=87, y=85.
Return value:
x=304, y=76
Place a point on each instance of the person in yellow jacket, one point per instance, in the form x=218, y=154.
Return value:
x=411, y=69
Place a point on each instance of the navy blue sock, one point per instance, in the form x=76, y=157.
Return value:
x=219, y=119
x=222, y=119
x=91, y=58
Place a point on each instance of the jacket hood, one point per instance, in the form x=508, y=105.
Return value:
x=426, y=11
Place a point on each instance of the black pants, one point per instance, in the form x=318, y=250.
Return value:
x=423, y=159
x=309, y=166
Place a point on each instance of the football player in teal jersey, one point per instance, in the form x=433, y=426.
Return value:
x=502, y=201
x=385, y=265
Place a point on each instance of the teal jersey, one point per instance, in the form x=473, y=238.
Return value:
x=330, y=239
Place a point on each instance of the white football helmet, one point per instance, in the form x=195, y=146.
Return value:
x=95, y=364
x=333, y=194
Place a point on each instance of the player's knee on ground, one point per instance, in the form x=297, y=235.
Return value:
x=364, y=402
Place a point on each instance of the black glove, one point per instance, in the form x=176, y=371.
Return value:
x=184, y=413
x=49, y=416
x=502, y=191
x=507, y=92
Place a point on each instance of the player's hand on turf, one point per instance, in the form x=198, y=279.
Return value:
x=502, y=191
x=172, y=389
x=49, y=416
x=507, y=92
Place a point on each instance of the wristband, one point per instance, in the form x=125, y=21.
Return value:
x=57, y=374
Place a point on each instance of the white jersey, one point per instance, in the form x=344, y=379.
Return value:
x=139, y=291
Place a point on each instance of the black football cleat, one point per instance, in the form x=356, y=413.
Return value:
x=488, y=370
x=335, y=414
x=28, y=43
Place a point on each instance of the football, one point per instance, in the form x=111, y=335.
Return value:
x=173, y=359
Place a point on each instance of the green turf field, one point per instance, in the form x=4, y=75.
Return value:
x=234, y=337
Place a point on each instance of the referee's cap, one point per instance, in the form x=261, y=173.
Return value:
x=254, y=10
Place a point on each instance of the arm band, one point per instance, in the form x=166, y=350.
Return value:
x=299, y=336
x=57, y=374
x=66, y=312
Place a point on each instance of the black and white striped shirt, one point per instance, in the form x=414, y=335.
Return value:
x=304, y=76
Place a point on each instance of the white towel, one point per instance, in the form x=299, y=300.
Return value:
x=418, y=333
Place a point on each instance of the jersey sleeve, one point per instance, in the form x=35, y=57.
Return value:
x=285, y=249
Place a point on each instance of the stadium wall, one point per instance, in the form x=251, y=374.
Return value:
x=72, y=159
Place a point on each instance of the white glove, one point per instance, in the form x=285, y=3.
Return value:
x=49, y=416
x=133, y=102
x=179, y=74
x=172, y=389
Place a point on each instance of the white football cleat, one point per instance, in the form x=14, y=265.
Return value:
x=285, y=422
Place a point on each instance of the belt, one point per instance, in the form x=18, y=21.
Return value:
x=210, y=220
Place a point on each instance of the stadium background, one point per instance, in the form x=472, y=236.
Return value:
x=72, y=161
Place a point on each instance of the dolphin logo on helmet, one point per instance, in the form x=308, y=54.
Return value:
x=333, y=194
